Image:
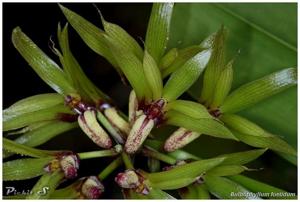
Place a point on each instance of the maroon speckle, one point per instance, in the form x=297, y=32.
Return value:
x=184, y=135
x=95, y=193
x=71, y=173
x=153, y=110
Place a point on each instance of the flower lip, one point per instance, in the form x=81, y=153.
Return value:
x=154, y=110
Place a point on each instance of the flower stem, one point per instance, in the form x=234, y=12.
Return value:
x=115, y=134
x=97, y=154
x=159, y=156
x=127, y=161
x=110, y=168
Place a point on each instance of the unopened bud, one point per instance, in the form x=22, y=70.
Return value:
x=92, y=188
x=128, y=180
x=139, y=132
x=69, y=165
x=179, y=139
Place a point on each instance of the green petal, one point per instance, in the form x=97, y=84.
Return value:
x=189, y=170
x=23, y=169
x=223, y=86
x=46, y=185
x=260, y=89
x=90, y=34
x=132, y=67
x=85, y=87
x=206, y=126
x=272, y=142
x=157, y=35
x=189, y=108
x=183, y=55
x=119, y=35
x=168, y=58
x=224, y=188
x=21, y=120
x=215, y=66
x=14, y=147
x=46, y=68
x=227, y=170
x=240, y=158
x=153, y=76
x=243, y=125
x=256, y=186
x=183, y=78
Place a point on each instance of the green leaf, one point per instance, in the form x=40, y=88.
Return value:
x=52, y=113
x=153, y=76
x=23, y=169
x=206, y=126
x=183, y=78
x=159, y=194
x=157, y=35
x=31, y=104
x=224, y=188
x=214, y=67
x=256, y=186
x=131, y=194
x=194, y=191
x=272, y=142
x=46, y=68
x=258, y=90
x=183, y=56
x=28, y=128
x=241, y=158
x=266, y=34
x=132, y=67
x=14, y=147
x=227, y=170
x=73, y=70
x=189, y=108
x=90, y=34
x=189, y=170
x=243, y=125
x=223, y=86
x=168, y=58
x=46, y=185
x=119, y=35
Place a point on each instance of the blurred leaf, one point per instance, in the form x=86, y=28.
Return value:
x=90, y=34
x=241, y=158
x=266, y=34
x=258, y=90
x=189, y=108
x=152, y=75
x=119, y=35
x=214, y=67
x=28, y=128
x=52, y=113
x=132, y=67
x=243, y=125
x=31, y=104
x=183, y=78
x=183, y=55
x=157, y=35
x=223, y=86
x=227, y=170
x=72, y=68
x=46, y=185
x=189, y=170
x=46, y=68
x=272, y=142
x=23, y=169
x=14, y=147
x=206, y=126
x=224, y=188
x=256, y=186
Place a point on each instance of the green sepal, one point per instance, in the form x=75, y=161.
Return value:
x=168, y=58
x=183, y=78
x=258, y=90
x=158, y=29
x=46, y=68
x=23, y=169
x=204, y=126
